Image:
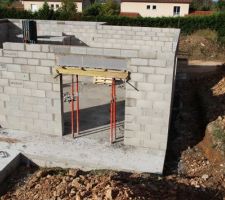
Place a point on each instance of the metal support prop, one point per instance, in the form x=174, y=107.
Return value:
x=78, y=109
x=113, y=112
x=72, y=106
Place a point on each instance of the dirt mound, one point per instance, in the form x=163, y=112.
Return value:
x=74, y=184
x=213, y=144
x=202, y=45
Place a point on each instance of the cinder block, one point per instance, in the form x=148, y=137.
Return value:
x=37, y=77
x=167, y=71
x=38, y=93
x=112, y=52
x=4, y=82
x=20, y=61
x=16, y=83
x=131, y=102
x=31, y=115
x=165, y=88
x=161, y=105
x=151, y=78
x=33, y=61
x=40, y=108
x=28, y=69
x=13, y=46
x=8, y=75
x=24, y=54
x=4, y=97
x=51, y=56
x=56, y=87
x=53, y=95
x=30, y=85
x=33, y=47
x=138, y=77
x=60, y=49
x=154, y=96
x=46, y=116
x=45, y=86
x=129, y=53
x=45, y=48
x=2, y=68
x=145, y=86
x=13, y=67
x=26, y=107
x=10, y=53
x=157, y=63
x=40, y=55
x=144, y=103
x=50, y=63
x=10, y=90
x=94, y=51
x=23, y=76
x=24, y=91
x=6, y=60
x=139, y=61
x=78, y=50
x=43, y=70
x=146, y=69
x=151, y=144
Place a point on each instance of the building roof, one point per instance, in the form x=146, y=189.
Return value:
x=158, y=1
x=52, y=0
x=129, y=14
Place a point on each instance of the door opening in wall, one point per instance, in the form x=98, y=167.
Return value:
x=94, y=102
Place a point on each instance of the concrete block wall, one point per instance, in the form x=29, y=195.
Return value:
x=148, y=53
x=30, y=97
x=96, y=34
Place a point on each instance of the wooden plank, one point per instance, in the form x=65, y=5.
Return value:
x=102, y=80
x=93, y=72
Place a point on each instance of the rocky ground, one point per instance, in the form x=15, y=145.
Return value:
x=57, y=184
x=190, y=173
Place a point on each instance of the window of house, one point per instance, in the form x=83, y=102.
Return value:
x=176, y=11
x=34, y=7
x=57, y=6
x=52, y=6
x=148, y=7
x=154, y=7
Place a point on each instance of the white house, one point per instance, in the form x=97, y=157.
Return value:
x=155, y=8
x=35, y=5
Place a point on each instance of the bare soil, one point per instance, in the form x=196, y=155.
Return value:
x=202, y=45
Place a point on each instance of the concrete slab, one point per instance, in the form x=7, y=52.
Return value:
x=83, y=152
x=9, y=161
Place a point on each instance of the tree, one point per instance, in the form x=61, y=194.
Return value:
x=201, y=5
x=111, y=7
x=68, y=10
x=45, y=12
x=221, y=5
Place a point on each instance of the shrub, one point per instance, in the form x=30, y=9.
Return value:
x=110, y=7
x=93, y=10
x=45, y=12
x=68, y=11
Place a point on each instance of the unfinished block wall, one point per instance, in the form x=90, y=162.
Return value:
x=30, y=99
x=27, y=73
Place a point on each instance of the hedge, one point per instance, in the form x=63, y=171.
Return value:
x=187, y=24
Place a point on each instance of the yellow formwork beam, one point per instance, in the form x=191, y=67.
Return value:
x=81, y=71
